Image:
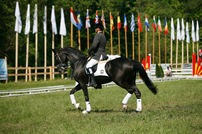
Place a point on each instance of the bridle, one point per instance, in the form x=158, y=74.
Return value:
x=61, y=65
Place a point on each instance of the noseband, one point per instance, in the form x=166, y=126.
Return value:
x=61, y=65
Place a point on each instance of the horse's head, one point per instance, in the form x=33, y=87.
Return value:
x=61, y=60
x=200, y=53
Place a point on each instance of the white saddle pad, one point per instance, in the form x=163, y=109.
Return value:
x=101, y=70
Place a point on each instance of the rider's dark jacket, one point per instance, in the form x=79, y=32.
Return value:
x=98, y=47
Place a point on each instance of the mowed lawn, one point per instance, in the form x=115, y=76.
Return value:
x=177, y=108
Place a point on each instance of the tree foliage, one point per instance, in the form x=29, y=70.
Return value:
x=187, y=9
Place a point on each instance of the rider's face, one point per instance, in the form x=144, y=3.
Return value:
x=96, y=30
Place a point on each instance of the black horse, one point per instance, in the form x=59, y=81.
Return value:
x=122, y=71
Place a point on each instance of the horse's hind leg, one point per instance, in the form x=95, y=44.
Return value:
x=139, y=101
x=73, y=100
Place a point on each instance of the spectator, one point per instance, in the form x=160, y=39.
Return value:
x=168, y=72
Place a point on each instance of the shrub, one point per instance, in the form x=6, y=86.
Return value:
x=159, y=71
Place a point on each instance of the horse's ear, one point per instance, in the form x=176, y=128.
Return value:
x=54, y=51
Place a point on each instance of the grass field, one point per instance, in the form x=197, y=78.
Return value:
x=177, y=108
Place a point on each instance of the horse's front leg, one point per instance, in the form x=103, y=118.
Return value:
x=85, y=91
x=73, y=100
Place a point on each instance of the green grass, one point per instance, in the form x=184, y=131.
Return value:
x=177, y=108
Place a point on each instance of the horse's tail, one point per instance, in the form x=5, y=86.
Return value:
x=138, y=67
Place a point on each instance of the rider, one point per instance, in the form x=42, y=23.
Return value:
x=97, y=51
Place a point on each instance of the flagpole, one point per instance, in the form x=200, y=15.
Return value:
x=79, y=40
x=103, y=23
x=153, y=43
x=146, y=43
x=133, y=45
x=193, y=46
x=171, y=52
x=126, y=43
x=53, y=47
x=182, y=52
x=36, y=46
x=27, y=52
x=119, y=37
x=165, y=49
x=187, y=53
x=16, y=58
x=197, y=49
x=45, y=48
x=139, y=44
x=87, y=38
x=111, y=34
x=176, y=52
x=159, y=49
x=71, y=32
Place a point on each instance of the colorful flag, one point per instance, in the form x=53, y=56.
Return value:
x=192, y=32
x=139, y=23
x=147, y=23
x=96, y=18
x=197, y=31
x=182, y=31
x=118, y=22
x=27, y=24
x=18, y=22
x=112, y=23
x=73, y=18
x=172, y=30
x=53, y=21
x=154, y=24
x=132, y=24
x=44, y=22
x=35, y=20
x=87, y=20
x=103, y=21
x=125, y=22
x=159, y=24
x=187, y=33
x=178, y=29
x=166, y=26
x=79, y=24
x=62, y=24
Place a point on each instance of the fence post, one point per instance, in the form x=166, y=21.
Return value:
x=30, y=76
x=51, y=73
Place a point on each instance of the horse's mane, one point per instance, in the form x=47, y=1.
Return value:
x=75, y=51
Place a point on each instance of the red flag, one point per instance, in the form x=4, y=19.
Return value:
x=144, y=63
x=139, y=23
x=112, y=23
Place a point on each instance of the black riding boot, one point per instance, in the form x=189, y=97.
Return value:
x=91, y=80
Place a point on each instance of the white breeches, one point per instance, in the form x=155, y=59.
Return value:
x=91, y=63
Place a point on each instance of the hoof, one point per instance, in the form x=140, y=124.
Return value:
x=125, y=107
x=137, y=111
x=85, y=112
x=78, y=106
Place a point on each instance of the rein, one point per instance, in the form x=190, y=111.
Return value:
x=61, y=65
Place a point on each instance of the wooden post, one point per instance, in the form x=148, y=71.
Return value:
x=176, y=52
x=79, y=41
x=171, y=52
x=88, y=38
x=36, y=46
x=133, y=46
x=72, y=33
x=16, y=58
x=51, y=73
x=27, y=59
x=197, y=49
x=119, y=38
x=62, y=75
x=193, y=46
x=153, y=43
x=126, y=43
x=103, y=22
x=182, y=52
x=30, y=76
x=139, y=44
x=146, y=44
x=111, y=34
x=53, y=59
x=7, y=69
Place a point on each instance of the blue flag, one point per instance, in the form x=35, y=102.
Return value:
x=79, y=24
x=132, y=24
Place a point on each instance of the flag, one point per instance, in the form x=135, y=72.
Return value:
x=154, y=24
x=166, y=26
x=18, y=22
x=35, y=20
x=118, y=22
x=73, y=18
x=159, y=25
x=147, y=23
x=103, y=21
x=62, y=24
x=132, y=24
x=96, y=18
x=44, y=22
x=112, y=23
x=192, y=32
x=187, y=33
x=53, y=21
x=125, y=23
x=197, y=31
x=79, y=24
x=27, y=24
x=182, y=32
x=87, y=20
x=178, y=29
x=172, y=30
x=139, y=23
